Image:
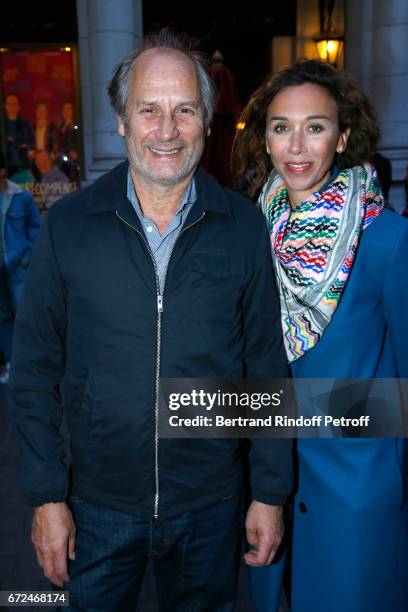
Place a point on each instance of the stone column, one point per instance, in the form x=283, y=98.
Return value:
x=108, y=30
x=85, y=82
x=389, y=88
x=376, y=52
x=358, y=52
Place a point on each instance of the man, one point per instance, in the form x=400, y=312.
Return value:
x=54, y=182
x=19, y=226
x=153, y=271
x=19, y=135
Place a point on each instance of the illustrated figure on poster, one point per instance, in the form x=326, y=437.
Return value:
x=19, y=135
x=45, y=131
x=53, y=181
x=68, y=142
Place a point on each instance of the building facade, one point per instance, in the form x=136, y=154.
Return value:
x=375, y=51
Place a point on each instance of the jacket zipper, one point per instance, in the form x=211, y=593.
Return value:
x=159, y=297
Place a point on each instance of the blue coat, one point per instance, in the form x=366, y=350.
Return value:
x=350, y=531
x=21, y=225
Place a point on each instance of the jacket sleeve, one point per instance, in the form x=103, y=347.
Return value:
x=396, y=300
x=33, y=220
x=36, y=373
x=270, y=458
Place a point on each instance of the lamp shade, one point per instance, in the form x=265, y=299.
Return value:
x=329, y=46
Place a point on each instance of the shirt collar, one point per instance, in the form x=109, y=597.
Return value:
x=189, y=196
x=108, y=193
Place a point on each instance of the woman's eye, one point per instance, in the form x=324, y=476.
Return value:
x=280, y=128
x=315, y=128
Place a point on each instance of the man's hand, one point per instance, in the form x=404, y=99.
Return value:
x=264, y=531
x=53, y=536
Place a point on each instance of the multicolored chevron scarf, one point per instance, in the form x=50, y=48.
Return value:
x=314, y=247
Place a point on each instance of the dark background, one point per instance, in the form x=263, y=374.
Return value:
x=242, y=35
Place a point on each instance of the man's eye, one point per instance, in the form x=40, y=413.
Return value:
x=186, y=110
x=147, y=110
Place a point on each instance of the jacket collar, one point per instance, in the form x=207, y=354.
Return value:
x=12, y=188
x=108, y=193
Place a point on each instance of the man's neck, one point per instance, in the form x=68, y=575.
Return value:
x=159, y=202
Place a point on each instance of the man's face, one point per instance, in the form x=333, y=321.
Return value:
x=43, y=161
x=12, y=107
x=164, y=124
x=68, y=112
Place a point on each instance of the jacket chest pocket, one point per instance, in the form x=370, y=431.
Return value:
x=16, y=217
x=217, y=282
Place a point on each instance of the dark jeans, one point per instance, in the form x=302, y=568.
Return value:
x=196, y=558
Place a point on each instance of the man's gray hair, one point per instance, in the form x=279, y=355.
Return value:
x=165, y=38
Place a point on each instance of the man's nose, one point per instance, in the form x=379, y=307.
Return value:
x=296, y=142
x=167, y=127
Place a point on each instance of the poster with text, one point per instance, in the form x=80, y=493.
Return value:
x=41, y=129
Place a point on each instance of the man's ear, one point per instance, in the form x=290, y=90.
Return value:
x=208, y=131
x=121, y=126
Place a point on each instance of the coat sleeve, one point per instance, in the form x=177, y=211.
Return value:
x=33, y=220
x=36, y=373
x=396, y=300
x=265, y=358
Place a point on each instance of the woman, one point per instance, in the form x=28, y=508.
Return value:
x=45, y=132
x=68, y=143
x=340, y=262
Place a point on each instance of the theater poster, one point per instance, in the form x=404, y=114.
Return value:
x=41, y=130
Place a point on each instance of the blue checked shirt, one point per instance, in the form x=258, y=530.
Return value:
x=161, y=245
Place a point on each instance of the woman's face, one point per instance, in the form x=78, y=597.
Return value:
x=68, y=112
x=302, y=137
x=41, y=111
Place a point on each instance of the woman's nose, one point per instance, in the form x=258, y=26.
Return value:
x=296, y=143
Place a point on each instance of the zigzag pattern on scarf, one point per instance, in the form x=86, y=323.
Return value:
x=314, y=247
x=301, y=335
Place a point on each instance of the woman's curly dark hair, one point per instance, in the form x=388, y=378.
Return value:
x=354, y=112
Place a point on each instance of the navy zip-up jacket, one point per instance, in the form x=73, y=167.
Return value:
x=90, y=316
